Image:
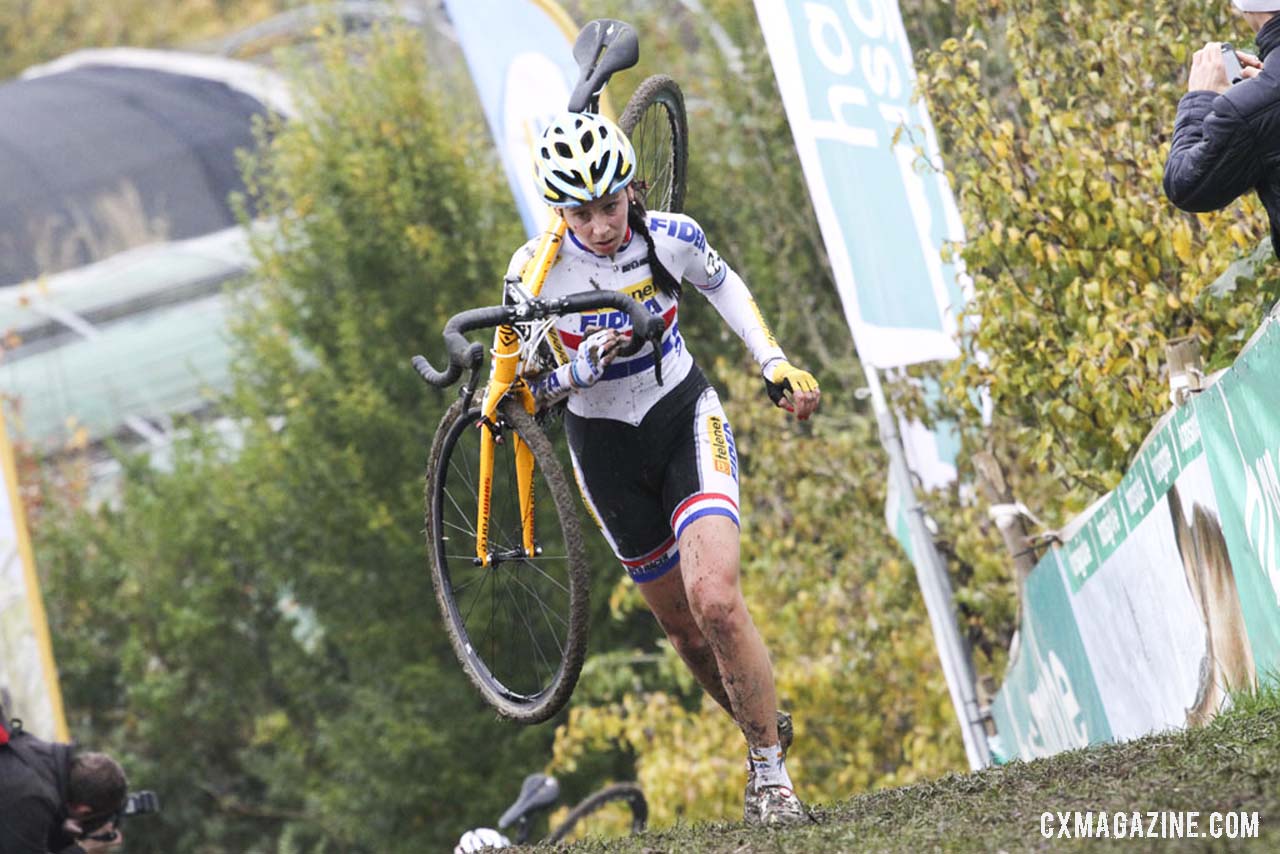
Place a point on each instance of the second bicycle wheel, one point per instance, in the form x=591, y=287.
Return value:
x=519, y=625
x=625, y=793
x=655, y=122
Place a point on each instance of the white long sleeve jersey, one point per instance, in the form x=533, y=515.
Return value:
x=628, y=388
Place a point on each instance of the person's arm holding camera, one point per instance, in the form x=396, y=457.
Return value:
x=1212, y=159
x=94, y=845
x=101, y=839
x=1209, y=70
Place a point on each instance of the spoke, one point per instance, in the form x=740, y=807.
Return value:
x=650, y=166
x=459, y=468
x=511, y=605
x=511, y=610
x=511, y=501
x=658, y=152
x=458, y=588
x=493, y=601
x=543, y=606
x=467, y=616
x=543, y=573
x=533, y=638
x=448, y=494
x=467, y=469
x=496, y=667
x=469, y=530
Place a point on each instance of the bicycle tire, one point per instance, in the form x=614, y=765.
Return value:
x=511, y=660
x=629, y=792
x=655, y=122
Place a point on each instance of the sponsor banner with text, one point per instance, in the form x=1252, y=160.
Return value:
x=1172, y=580
x=1239, y=421
x=521, y=59
x=845, y=73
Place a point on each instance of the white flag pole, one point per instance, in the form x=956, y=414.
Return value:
x=931, y=573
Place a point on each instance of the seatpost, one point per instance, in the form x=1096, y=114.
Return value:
x=523, y=829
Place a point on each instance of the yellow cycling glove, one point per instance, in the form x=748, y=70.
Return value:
x=781, y=377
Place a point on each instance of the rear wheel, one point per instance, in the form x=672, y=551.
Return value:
x=628, y=793
x=655, y=122
x=519, y=625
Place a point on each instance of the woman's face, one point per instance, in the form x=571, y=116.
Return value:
x=601, y=225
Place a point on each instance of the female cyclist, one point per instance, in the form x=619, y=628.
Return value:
x=656, y=464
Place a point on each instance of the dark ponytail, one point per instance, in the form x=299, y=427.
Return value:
x=639, y=222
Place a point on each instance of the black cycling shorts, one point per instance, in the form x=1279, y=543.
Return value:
x=644, y=484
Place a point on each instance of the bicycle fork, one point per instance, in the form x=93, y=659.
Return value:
x=505, y=380
x=524, y=485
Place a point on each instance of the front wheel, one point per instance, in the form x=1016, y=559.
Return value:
x=518, y=625
x=655, y=122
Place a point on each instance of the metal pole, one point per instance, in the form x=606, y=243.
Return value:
x=957, y=667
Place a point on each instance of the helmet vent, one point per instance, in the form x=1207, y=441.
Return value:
x=601, y=168
x=581, y=157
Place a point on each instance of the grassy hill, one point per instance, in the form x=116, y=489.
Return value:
x=1232, y=765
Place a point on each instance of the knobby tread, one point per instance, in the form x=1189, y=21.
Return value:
x=555, y=696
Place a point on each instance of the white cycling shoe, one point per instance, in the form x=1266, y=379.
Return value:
x=773, y=806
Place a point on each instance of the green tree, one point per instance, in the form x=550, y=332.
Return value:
x=252, y=627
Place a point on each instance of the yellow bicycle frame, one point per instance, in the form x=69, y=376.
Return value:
x=504, y=379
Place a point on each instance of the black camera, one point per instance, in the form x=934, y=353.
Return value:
x=135, y=803
x=140, y=803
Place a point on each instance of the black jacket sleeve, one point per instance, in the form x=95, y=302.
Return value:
x=31, y=799
x=1212, y=160
x=25, y=825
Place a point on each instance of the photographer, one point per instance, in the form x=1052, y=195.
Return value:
x=1226, y=137
x=54, y=799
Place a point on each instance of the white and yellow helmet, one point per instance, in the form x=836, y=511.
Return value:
x=580, y=158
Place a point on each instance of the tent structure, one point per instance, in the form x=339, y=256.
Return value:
x=107, y=150
x=117, y=236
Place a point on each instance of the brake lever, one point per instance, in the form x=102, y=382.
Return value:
x=656, y=340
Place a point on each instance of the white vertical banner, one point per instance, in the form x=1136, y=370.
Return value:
x=846, y=79
x=520, y=54
x=28, y=679
x=845, y=73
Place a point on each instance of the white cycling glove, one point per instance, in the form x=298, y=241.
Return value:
x=583, y=371
x=481, y=839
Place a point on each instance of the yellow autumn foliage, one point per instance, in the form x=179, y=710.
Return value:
x=1055, y=120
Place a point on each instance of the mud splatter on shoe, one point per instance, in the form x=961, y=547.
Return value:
x=750, y=797
x=775, y=806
